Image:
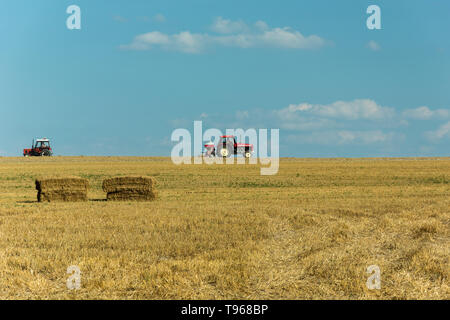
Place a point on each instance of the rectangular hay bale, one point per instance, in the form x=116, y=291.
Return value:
x=128, y=184
x=62, y=189
x=136, y=195
x=62, y=196
x=62, y=183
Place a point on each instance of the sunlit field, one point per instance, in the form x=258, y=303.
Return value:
x=226, y=232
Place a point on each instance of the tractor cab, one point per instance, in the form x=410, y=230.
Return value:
x=226, y=146
x=42, y=144
x=228, y=140
x=39, y=148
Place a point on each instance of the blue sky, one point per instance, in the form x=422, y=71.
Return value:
x=137, y=70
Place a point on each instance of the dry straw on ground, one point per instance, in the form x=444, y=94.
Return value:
x=130, y=188
x=62, y=189
x=226, y=232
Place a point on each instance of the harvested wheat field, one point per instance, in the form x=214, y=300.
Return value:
x=226, y=232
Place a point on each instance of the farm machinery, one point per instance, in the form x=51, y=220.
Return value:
x=39, y=148
x=227, y=147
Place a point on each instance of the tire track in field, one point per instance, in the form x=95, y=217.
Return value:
x=277, y=264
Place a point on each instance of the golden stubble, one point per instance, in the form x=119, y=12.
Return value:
x=226, y=232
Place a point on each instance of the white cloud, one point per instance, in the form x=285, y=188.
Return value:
x=154, y=37
x=188, y=42
x=372, y=45
x=359, y=114
x=348, y=110
x=232, y=34
x=442, y=132
x=183, y=41
x=288, y=38
x=261, y=25
x=425, y=113
x=225, y=26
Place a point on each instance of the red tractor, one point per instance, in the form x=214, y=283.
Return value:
x=227, y=147
x=40, y=148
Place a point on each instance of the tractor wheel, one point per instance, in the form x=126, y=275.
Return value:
x=247, y=154
x=46, y=153
x=225, y=151
x=220, y=147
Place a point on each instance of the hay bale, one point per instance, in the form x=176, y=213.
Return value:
x=134, y=188
x=64, y=183
x=128, y=183
x=62, y=189
x=61, y=196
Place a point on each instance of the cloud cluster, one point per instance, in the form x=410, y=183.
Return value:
x=225, y=26
x=355, y=122
x=349, y=110
x=442, y=132
x=229, y=34
x=338, y=123
x=425, y=113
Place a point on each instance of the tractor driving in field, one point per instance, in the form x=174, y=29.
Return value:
x=39, y=148
x=227, y=147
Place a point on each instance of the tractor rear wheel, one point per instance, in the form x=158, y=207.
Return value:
x=225, y=151
x=46, y=153
x=247, y=154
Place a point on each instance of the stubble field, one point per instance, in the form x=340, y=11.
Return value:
x=226, y=232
